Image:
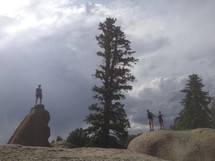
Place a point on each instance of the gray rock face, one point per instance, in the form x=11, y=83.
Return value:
x=33, y=130
x=192, y=145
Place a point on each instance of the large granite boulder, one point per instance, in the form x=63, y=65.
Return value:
x=33, y=130
x=192, y=145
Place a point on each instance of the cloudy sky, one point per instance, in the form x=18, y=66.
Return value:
x=52, y=43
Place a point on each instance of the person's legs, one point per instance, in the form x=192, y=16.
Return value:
x=41, y=100
x=36, y=100
x=152, y=124
x=162, y=125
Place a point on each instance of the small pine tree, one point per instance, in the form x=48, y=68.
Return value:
x=195, y=112
x=78, y=137
x=108, y=119
x=59, y=139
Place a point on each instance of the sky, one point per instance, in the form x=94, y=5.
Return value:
x=53, y=43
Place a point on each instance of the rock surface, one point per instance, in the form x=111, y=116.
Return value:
x=11, y=152
x=193, y=145
x=33, y=130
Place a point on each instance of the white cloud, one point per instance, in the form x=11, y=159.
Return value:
x=10, y=7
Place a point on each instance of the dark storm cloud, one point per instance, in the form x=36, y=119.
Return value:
x=163, y=95
x=66, y=93
x=53, y=43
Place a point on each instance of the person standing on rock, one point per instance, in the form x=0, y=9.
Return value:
x=160, y=119
x=38, y=94
x=150, y=116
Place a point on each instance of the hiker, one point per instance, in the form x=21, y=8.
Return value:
x=160, y=119
x=38, y=94
x=150, y=120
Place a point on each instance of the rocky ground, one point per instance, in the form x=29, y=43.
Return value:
x=12, y=152
x=190, y=145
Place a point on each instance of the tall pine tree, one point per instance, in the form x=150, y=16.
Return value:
x=195, y=112
x=108, y=120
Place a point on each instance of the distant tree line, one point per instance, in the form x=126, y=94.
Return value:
x=80, y=138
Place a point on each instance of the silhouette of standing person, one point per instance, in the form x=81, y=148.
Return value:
x=160, y=119
x=150, y=120
x=38, y=94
